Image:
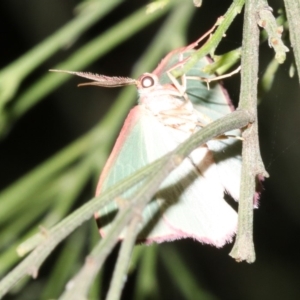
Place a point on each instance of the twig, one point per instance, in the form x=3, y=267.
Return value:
x=186, y=283
x=236, y=119
x=54, y=236
x=120, y=272
x=79, y=286
x=252, y=164
x=12, y=75
x=79, y=60
x=268, y=22
x=32, y=262
x=146, y=284
x=82, y=281
x=214, y=41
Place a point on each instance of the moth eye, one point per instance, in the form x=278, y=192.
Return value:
x=147, y=82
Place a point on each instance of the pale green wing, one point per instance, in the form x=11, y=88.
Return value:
x=190, y=201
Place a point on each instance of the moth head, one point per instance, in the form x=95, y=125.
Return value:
x=147, y=82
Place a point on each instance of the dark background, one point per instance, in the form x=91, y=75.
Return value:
x=69, y=112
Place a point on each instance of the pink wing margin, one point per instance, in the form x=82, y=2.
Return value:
x=130, y=122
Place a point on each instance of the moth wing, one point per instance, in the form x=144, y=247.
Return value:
x=227, y=155
x=193, y=204
x=142, y=140
x=211, y=103
x=190, y=202
x=214, y=103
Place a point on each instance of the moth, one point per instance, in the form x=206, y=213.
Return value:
x=191, y=201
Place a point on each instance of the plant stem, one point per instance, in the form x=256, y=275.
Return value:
x=12, y=75
x=83, y=57
x=120, y=271
x=83, y=280
x=252, y=165
x=100, y=136
x=293, y=14
x=54, y=236
x=186, y=283
x=214, y=41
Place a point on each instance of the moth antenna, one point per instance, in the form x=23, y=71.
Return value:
x=100, y=80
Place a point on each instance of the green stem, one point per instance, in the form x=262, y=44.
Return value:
x=293, y=15
x=146, y=285
x=12, y=75
x=266, y=20
x=26, y=185
x=54, y=236
x=236, y=119
x=214, y=41
x=120, y=271
x=186, y=282
x=66, y=189
x=83, y=57
x=101, y=136
x=84, y=279
x=32, y=262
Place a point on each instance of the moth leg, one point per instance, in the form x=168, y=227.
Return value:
x=227, y=136
x=182, y=88
x=208, y=80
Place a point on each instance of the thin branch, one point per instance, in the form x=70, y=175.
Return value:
x=266, y=20
x=54, y=236
x=214, y=41
x=187, y=284
x=252, y=164
x=120, y=271
x=146, y=284
x=12, y=75
x=77, y=177
x=79, y=286
x=80, y=59
x=235, y=120
x=293, y=15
